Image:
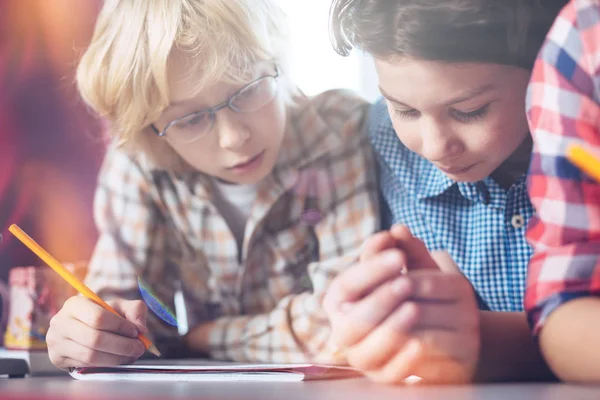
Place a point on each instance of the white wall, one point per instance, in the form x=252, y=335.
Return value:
x=315, y=65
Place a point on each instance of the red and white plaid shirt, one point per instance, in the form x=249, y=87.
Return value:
x=564, y=108
x=267, y=307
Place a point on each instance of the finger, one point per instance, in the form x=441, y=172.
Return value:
x=443, y=371
x=135, y=311
x=364, y=277
x=65, y=363
x=434, y=286
x=376, y=244
x=91, y=314
x=66, y=328
x=84, y=356
x=358, y=319
x=401, y=365
x=103, y=341
x=445, y=262
x=450, y=316
x=53, y=341
x=376, y=349
x=443, y=344
x=416, y=252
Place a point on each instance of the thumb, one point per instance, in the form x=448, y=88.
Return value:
x=416, y=251
x=134, y=311
x=376, y=244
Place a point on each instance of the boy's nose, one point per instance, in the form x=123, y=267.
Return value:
x=440, y=144
x=232, y=133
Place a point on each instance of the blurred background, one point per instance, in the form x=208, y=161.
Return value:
x=51, y=146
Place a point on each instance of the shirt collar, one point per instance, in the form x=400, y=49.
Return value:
x=435, y=183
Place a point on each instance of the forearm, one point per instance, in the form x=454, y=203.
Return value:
x=508, y=351
x=569, y=340
x=295, y=331
x=198, y=338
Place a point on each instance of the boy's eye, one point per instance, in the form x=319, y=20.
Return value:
x=406, y=114
x=196, y=119
x=249, y=91
x=466, y=117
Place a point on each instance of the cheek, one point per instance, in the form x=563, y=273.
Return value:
x=199, y=155
x=510, y=127
x=408, y=133
x=269, y=123
x=497, y=138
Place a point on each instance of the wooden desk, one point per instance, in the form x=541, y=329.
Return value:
x=65, y=387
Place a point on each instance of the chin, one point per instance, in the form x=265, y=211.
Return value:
x=470, y=176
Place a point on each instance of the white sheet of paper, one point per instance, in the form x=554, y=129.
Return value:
x=214, y=373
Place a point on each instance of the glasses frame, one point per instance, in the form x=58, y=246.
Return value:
x=212, y=111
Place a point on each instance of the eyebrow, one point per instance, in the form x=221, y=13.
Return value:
x=185, y=102
x=468, y=95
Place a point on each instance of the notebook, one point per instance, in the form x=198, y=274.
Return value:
x=215, y=373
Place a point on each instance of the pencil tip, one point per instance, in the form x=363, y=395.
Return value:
x=152, y=349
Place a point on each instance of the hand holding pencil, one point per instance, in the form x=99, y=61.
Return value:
x=87, y=330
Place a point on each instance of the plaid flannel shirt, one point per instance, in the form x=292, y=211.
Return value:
x=564, y=108
x=310, y=218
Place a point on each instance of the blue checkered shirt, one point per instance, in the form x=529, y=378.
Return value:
x=481, y=225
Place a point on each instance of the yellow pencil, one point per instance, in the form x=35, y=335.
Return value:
x=586, y=161
x=72, y=279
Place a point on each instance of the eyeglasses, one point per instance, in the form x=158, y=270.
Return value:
x=248, y=99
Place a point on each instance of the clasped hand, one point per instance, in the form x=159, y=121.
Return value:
x=391, y=324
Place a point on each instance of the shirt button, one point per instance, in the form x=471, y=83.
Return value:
x=517, y=221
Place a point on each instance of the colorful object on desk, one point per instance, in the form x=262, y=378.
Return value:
x=585, y=160
x=157, y=307
x=72, y=279
x=36, y=294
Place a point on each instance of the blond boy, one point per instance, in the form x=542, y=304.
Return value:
x=222, y=178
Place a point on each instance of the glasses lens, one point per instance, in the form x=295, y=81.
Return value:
x=191, y=128
x=255, y=95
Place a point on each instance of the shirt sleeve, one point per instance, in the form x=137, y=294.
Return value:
x=131, y=232
x=297, y=330
x=563, y=109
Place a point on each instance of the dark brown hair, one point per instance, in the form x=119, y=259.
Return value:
x=508, y=32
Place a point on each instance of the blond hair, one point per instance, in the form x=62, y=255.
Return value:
x=123, y=74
